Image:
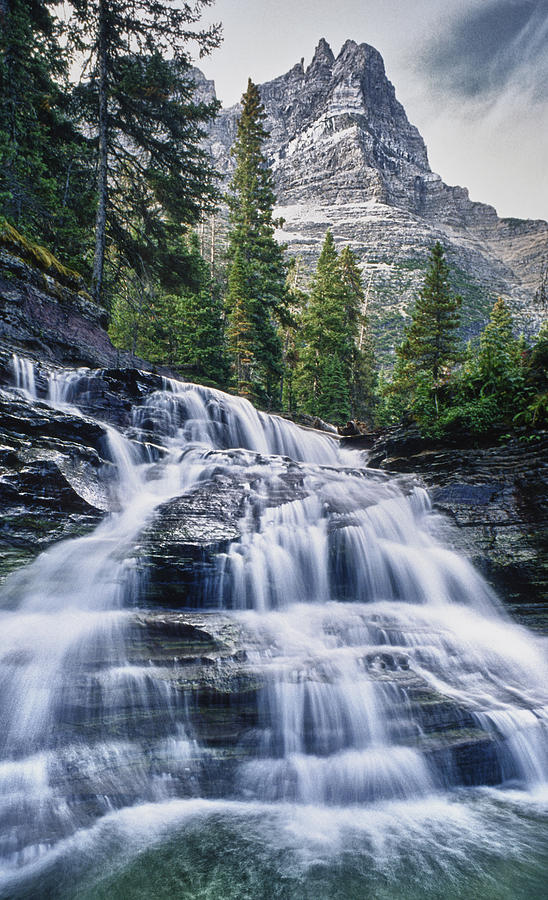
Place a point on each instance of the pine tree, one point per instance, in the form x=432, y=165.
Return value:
x=241, y=338
x=498, y=349
x=500, y=362
x=45, y=164
x=290, y=333
x=333, y=400
x=324, y=322
x=183, y=328
x=430, y=342
x=257, y=295
x=536, y=412
x=330, y=336
x=201, y=353
x=362, y=368
x=137, y=99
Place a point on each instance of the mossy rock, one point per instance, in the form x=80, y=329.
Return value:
x=39, y=256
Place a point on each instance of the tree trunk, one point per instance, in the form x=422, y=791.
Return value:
x=212, y=248
x=102, y=172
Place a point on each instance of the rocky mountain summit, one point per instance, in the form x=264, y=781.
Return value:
x=345, y=157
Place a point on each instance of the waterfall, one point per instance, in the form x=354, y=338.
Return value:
x=23, y=376
x=350, y=605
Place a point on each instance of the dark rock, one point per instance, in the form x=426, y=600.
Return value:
x=179, y=551
x=180, y=547
x=497, y=499
x=51, y=323
x=52, y=478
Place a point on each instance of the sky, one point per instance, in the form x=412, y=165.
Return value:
x=471, y=74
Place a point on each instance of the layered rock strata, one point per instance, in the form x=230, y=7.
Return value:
x=495, y=503
x=345, y=157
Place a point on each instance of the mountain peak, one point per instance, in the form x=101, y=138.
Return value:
x=323, y=56
x=345, y=156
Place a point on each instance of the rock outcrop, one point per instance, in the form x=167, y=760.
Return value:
x=345, y=157
x=50, y=479
x=48, y=319
x=495, y=500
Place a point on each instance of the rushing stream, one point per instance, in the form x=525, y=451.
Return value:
x=352, y=609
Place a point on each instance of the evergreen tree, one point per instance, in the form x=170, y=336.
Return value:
x=333, y=400
x=499, y=353
x=430, y=342
x=290, y=333
x=201, y=355
x=430, y=345
x=241, y=338
x=137, y=99
x=257, y=295
x=536, y=412
x=331, y=330
x=490, y=389
x=324, y=326
x=500, y=363
x=362, y=367
x=183, y=329
x=45, y=163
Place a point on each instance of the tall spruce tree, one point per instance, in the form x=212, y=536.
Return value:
x=501, y=363
x=257, y=294
x=362, y=367
x=241, y=337
x=331, y=324
x=183, y=327
x=499, y=353
x=324, y=322
x=45, y=163
x=290, y=333
x=430, y=343
x=137, y=99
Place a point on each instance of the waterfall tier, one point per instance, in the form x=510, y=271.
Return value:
x=257, y=622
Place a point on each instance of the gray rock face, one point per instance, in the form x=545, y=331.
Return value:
x=51, y=479
x=345, y=157
x=51, y=322
x=496, y=499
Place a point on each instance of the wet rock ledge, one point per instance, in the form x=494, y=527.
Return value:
x=496, y=499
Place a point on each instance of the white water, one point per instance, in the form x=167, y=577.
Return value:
x=348, y=602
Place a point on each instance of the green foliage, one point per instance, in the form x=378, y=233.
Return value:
x=473, y=417
x=334, y=365
x=45, y=162
x=290, y=333
x=37, y=255
x=361, y=357
x=535, y=413
x=333, y=400
x=430, y=343
x=494, y=378
x=392, y=395
x=257, y=297
x=500, y=385
x=184, y=329
x=428, y=352
x=136, y=100
x=241, y=338
x=324, y=330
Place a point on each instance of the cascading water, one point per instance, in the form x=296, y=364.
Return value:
x=351, y=608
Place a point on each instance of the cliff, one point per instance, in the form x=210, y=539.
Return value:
x=345, y=157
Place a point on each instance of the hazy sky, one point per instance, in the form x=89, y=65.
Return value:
x=472, y=75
